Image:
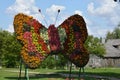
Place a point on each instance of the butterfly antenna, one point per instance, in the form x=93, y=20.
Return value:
x=43, y=17
x=57, y=16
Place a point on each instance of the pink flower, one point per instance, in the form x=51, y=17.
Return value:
x=27, y=35
x=31, y=48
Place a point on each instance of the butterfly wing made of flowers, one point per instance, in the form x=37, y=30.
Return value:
x=31, y=34
x=76, y=34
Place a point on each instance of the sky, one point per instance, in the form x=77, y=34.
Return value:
x=100, y=16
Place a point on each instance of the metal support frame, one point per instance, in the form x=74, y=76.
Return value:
x=81, y=70
x=19, y=78
x=26, y=72
x=70, y=71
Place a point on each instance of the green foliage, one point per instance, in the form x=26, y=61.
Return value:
x=94, y=46
x=61, y=61
x=50, y=61
x=115, y=34
x=54, y=61
x=9, y=50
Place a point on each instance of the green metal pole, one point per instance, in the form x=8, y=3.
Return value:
x=79, y=73
x=20, y=70
x=70, y=71
x=83, y=72
x=26, y=73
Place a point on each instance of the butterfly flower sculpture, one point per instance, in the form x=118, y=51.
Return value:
x=38, y=41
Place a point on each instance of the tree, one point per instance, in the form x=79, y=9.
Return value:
x=94, y=46
x=115, y=34
x=61, y=61
x=13, y=48
x=109, y=35
x=1, y=44
x=9, y=49
x=3, y=35
x=49, y=62
x=54, y=61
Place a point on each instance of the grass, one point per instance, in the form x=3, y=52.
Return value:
x=110, y=72
x=50, y=74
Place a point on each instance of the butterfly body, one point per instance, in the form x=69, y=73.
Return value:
x=38, y=41
x=54, y=40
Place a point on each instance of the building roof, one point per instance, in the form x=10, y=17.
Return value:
x=112, y=47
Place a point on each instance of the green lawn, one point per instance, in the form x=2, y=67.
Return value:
x=110, y=72
x=50, y=74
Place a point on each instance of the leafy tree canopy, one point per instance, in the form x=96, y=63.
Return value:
x=115, y=34
x=9, y=49
x=94, y=46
